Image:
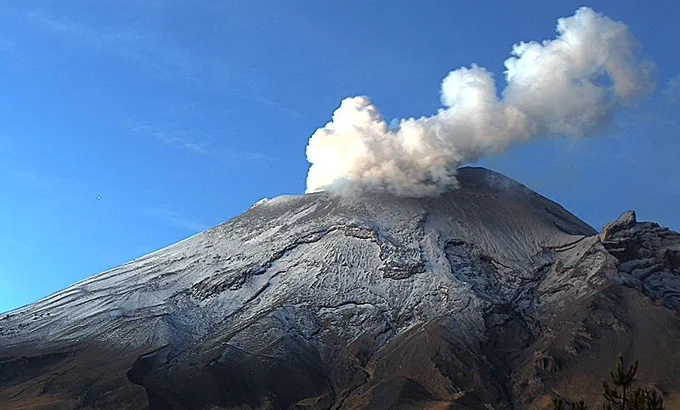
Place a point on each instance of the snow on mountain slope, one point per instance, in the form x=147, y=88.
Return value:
x=318, y=301
x=375, y=249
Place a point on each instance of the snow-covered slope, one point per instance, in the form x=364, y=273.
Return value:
x=311, y=300
x=320, y=249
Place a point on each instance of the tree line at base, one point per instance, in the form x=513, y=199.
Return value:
x=620, y=395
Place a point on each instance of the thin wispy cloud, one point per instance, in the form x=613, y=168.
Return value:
x=174, y=139
x=191, y=143
x=145, y=48
x=176, y=219
x=159, y=56
x=17, y=244
x=269, y=103
x=672, y=89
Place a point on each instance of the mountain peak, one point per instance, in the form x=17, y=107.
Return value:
x=319, y=301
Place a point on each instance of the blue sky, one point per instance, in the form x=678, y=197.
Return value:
x=183, y=114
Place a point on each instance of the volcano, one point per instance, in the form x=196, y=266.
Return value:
x=487, y=297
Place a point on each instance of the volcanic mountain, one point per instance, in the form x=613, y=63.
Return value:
x=487, y=297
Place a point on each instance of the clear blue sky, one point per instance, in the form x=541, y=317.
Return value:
x=183, y=114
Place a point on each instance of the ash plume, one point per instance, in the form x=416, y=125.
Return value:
x=566, y=86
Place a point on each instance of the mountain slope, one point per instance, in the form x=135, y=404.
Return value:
x=490, y=296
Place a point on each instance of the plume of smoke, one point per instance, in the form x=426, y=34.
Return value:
x=566, y=86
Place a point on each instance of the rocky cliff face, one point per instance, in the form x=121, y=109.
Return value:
x=489, y=297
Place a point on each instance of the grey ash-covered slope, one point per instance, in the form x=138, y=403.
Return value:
x=488, y=297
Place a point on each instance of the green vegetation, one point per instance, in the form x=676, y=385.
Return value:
x=620, y=395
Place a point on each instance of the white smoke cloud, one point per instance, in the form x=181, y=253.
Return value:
x=566, y=86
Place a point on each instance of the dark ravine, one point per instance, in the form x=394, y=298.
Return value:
x=488, y=297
